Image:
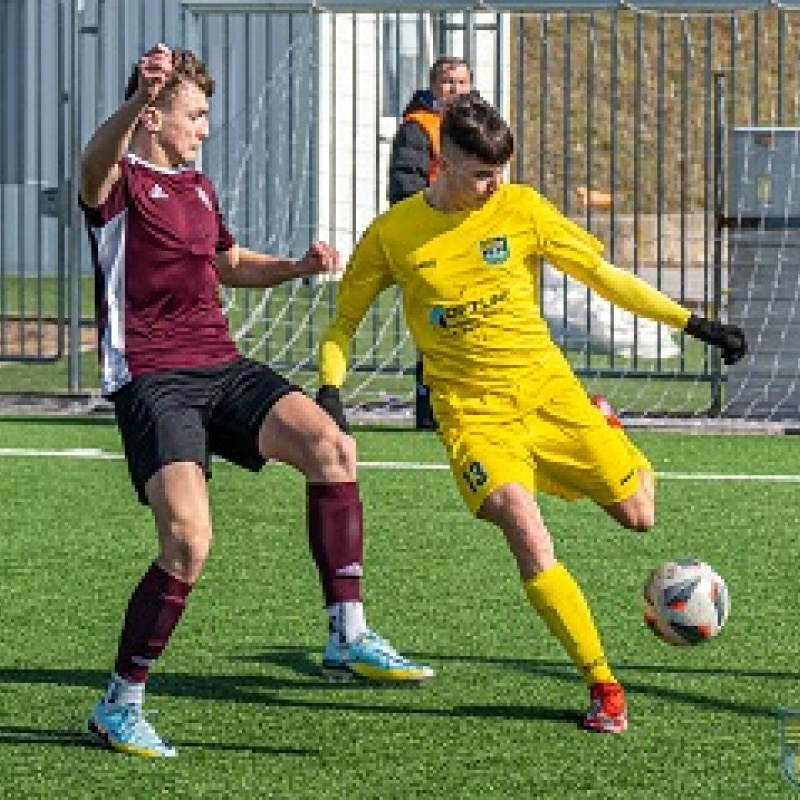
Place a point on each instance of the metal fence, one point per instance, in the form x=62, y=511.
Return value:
x=613, y=112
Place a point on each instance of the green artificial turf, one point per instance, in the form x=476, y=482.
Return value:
x=238, y=690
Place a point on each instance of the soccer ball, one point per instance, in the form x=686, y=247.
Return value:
x=685, y=602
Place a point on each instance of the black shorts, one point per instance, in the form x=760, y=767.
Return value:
x=188, y=414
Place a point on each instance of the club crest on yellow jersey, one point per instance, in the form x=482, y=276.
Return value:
x=495, y=250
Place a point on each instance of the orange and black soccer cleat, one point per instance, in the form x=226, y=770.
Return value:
x=606, y=410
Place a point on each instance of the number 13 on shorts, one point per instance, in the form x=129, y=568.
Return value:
x=475, y=475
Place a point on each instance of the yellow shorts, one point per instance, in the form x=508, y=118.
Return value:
x=563, y=447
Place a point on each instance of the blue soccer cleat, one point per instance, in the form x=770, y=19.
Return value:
x=125, y=728
x=372, y=658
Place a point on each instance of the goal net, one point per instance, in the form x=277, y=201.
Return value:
x=302, y=155
x=615, y=122
x=764, y=263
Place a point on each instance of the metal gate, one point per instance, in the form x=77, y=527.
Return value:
x=612, y=110
x=34, y=207
x=62, y=63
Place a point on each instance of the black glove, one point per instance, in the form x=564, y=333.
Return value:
x=328, y=397
x=729, y=338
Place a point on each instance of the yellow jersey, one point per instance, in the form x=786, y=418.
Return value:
x=470, y=282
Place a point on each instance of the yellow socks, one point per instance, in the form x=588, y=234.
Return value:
x=559, y=601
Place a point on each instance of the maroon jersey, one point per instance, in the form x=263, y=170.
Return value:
x=153, y=244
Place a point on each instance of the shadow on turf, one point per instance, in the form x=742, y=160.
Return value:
x=14, y=734
x=301, y=664
x=259, y=690
x=10, y=734
x=564, y=671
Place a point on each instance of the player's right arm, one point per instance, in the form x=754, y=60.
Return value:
x=109, y=143
x=366, y=275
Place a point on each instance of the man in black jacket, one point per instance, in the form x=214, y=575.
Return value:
x=415, y=150
x=415, y=162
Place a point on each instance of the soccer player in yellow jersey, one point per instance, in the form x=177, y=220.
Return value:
x=511, y=414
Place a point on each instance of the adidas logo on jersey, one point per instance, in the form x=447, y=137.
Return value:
x=157, y=193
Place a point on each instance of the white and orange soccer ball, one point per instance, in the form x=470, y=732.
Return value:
x=686, y=602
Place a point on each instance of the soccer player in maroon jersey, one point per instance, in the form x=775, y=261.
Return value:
x=181, y=390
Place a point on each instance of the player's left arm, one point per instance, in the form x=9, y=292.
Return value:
x=241, y=267
x=581, y=258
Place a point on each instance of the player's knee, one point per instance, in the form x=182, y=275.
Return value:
x=333, y=456
x=641, y=515
x=185, y=548
x=515, y=511
x=638, y=512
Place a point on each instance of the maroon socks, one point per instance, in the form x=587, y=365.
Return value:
x=153, y=612
x=335, y=535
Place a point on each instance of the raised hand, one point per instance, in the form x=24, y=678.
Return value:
x=155, y=68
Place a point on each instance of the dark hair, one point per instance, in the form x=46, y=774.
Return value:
x=186, y=66
x=475, y=126
x=438, y=67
